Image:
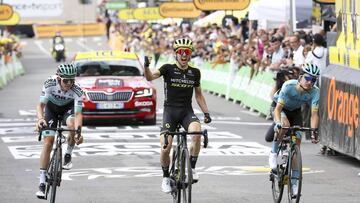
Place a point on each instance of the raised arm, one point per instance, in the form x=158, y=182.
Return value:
x=150, y=75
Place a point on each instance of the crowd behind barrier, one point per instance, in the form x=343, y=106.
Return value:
x=232, y=58
x=10, y=54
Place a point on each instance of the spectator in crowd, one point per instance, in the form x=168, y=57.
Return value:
x=318, y=53
x=278, y=55
x=297, y=50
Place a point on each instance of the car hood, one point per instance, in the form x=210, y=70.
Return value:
x=114, y=82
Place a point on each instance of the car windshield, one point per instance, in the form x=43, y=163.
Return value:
x=102, y=68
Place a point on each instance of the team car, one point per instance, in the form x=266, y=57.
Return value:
x=115, y=88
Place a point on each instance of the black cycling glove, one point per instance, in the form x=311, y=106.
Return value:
x=146, y=62
x=207, y=118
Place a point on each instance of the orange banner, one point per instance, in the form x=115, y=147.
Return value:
x=179, y=10
x=91, y=29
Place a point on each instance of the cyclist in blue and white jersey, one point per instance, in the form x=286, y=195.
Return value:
x=60, y=96
x=287, y=112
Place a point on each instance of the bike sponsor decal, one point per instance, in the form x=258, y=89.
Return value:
x=148, y=172
x=140, y=149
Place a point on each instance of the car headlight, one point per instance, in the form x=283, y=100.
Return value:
x=144, y=93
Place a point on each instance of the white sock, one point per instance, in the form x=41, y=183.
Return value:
x=42, y=176
x=69, y=149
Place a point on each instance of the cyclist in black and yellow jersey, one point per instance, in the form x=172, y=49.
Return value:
x=180, y=81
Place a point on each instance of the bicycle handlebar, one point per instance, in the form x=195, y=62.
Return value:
x=299, y=128
x=57, y=129
x=204, y=133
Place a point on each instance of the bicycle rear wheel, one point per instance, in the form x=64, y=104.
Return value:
x=56, y=168
x=186, y=178
x=295, y=179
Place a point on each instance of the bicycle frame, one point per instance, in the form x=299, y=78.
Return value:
x=291, y=161
x=180, y=170
x=54, y=170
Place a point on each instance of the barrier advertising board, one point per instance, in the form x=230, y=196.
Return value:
x=339, y=109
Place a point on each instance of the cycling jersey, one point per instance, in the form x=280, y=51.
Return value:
x=179, y=84
x=51, y=91
x=293, y=99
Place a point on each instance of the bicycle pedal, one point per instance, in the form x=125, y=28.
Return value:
x=271, y=177
x=41, y=197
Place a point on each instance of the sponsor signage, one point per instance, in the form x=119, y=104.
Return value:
x=179, y=10
x=13, y=20
x=126, y=14
x=38, y=8
x=339, y=109
x=116, y=5
x=221, y=4
x=6, y=12
x=151, y=13
x=325, y=1
x=143, y=103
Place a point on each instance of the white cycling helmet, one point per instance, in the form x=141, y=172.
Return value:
x=311, y=69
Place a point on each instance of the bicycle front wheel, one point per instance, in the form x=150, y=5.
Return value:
x=277, y=183
x=56, y=168
x=295, y=175
x=186, y=178
x=174, y=175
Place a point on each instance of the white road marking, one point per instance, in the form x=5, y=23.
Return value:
x=150, y=171
x=108, y=136
x=242, y=123
x=81, y=43
x=27, y=112
x=39, y=44
x=148, y=148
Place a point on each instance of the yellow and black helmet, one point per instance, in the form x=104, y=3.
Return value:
x=183, y=43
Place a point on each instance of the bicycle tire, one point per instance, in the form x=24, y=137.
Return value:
x=55, y=174
x=174, y=174
x=278, y=180
x=295, y=154
x=49, y=176
x=185, y=177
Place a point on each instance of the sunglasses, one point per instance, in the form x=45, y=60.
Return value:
x=68, y=81
x=310, y=78
x=182, y=51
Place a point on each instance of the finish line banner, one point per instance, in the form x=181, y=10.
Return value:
x=339, y=109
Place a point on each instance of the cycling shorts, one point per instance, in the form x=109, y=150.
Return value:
x=173, y=116
x=294, y=118
x=52, y=112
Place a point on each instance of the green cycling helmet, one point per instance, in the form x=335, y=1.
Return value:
x=67, y=70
